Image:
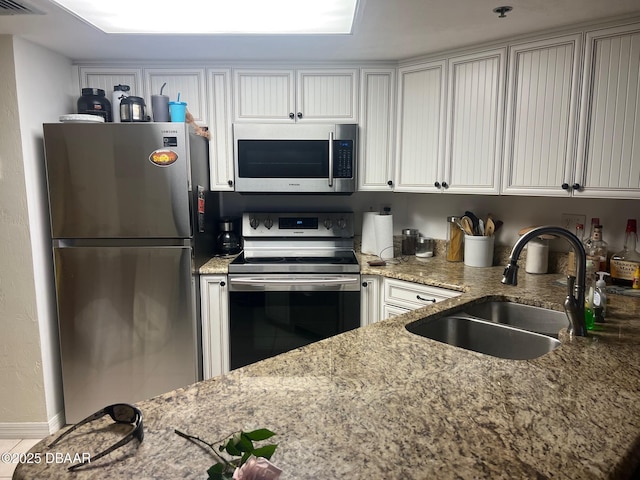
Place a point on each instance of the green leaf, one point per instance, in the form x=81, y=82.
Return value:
x=267, y=451
x=245, y=457
x=215, y=471
x=231, y=448
x=260, y=434
x=244, y=444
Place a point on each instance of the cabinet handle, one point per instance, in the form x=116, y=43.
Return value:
x=565, y=186
x=292, y=116
x=230, y=182
x=576, y=186
x=390, y=182
x=432, y=300
x=365, y=284
x=299, y=114
x=437, y=184
x=222, y=283
x=445, y=185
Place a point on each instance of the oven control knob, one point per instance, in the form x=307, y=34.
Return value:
x=254, y=222
x=328, y=223
x=342, y=223
x=268, y=222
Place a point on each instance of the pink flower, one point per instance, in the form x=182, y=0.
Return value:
x=257, y=468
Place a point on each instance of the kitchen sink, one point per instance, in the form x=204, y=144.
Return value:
x=526, y=317
x=484, y=336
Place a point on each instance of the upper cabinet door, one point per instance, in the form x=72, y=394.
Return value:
x=327, y=95
x=375, y=135
x=107, y=77
x=189, y=83
x=221, y=143
x=264, y=95
x=541, y=121
x=421, y=127
x=474, y=141
x=609, y=137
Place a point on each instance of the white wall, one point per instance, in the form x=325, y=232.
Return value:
x=428, y=212
x=36, y=79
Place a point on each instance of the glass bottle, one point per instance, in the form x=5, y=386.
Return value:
x=625, y=262
x=589, y=317
x=597, y=249
x=455, y=238
x=571, y=258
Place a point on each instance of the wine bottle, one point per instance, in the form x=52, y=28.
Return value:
x=625, y=262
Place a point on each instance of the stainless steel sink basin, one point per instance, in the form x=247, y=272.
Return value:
x=485, y=337
x=527, y=317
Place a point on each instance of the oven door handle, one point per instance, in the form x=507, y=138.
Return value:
x=259, y=281
x=295, y=283
x=331, y=159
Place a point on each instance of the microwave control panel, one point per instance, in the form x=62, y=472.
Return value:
x=343, y=158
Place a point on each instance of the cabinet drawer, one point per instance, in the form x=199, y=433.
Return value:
x=412, y=295
x=389, y=311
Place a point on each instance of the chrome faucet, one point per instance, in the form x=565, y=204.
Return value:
x=574, y=303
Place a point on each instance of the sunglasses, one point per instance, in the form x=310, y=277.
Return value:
x=119, y=413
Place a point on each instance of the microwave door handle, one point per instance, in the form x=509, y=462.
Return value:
x=331, y=159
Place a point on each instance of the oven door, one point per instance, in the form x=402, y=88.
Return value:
x=272, y=314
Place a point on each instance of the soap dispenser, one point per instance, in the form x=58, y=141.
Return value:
x=600, y=298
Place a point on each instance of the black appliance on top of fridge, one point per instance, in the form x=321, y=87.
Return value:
x=132, y=220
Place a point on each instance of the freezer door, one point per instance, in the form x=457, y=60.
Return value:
x=127, y=325
x=103, y=184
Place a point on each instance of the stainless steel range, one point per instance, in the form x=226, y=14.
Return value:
x=296, y=282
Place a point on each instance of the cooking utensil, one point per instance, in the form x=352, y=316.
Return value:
x=474, y=221
x=467, y=226
x=481, y=227
x=489, y=227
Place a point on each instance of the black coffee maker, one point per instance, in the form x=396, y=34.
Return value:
x=228, y=241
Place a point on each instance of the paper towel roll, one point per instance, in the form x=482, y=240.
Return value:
x=368, y=233
x=383, y=225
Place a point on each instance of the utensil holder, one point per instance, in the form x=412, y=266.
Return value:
x=478, y=251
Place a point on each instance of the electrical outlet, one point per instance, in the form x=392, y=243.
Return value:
x=570, y=220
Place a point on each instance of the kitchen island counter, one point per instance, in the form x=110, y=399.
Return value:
x=380, y=402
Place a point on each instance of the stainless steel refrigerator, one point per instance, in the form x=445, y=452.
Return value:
x=132, y=220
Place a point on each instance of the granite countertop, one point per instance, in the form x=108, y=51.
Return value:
x=379, y=402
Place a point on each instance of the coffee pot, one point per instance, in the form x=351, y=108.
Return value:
x=133, y=109
x=228, y=242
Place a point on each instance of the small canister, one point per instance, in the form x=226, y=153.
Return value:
x=424, y=247
x=455, y=240
x=409, y=241
x=537, y=256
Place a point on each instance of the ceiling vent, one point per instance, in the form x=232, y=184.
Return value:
x=11, y=7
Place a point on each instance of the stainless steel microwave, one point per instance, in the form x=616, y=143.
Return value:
x=295, y=158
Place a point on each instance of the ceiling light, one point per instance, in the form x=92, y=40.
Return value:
x=216, y=16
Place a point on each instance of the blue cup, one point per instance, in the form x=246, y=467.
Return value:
x=178, y=111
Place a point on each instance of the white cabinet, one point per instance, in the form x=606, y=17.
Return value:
x=188, y=82
x=450, y=124
x=215, y=325
x=608, y=163
x=369, y=300
x=221, y=144
x=313, y=95
x=421, y=127
x=376, y=132
x=399, y=296
x=475, y=120
x=107, y=77
x=541, y=121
